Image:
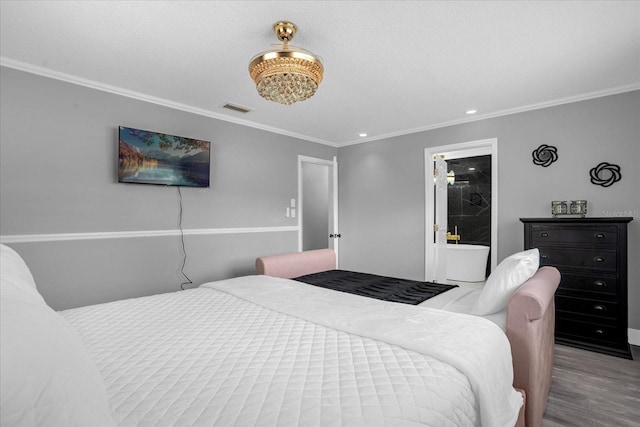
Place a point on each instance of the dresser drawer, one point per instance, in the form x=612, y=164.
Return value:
x=542, y=234
x=589, y=307
x=605, y=285
x=592, y=332
x=600, y=259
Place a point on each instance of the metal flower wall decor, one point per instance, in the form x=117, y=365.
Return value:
x=605, y=174
x=544, y=155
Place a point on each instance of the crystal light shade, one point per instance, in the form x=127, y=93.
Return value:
x=286, y=75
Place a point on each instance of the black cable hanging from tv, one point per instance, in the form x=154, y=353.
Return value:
x=184, y=251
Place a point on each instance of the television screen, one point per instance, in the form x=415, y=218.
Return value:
x=146, y=157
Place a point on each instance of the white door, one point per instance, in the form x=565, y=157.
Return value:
x=440, y=224
x=318, y=204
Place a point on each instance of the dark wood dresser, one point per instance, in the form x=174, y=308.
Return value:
x=591, y=301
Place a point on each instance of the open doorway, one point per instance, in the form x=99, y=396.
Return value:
x=466, y=204
x=318, y=204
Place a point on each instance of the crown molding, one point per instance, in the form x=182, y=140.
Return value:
x=46, y=72
x=501, y=113
x=68, y=78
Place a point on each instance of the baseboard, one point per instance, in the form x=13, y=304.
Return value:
x=634, y=336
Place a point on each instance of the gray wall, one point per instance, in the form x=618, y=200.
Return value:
x=58, y=174
x=382, y=182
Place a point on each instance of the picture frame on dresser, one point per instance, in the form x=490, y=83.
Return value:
x=592, y=298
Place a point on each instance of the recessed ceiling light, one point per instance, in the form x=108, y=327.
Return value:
x=471, y=169
x=471, y=111
x=362, y=135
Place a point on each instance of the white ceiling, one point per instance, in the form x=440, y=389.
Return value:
x=391, y=67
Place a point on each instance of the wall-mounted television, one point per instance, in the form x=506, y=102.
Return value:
x=146, y=157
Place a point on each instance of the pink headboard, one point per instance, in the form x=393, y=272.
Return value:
x=530, y=329
x=297, y=264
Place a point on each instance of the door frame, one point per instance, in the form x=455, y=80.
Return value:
x=333, y=197
x=456, y=151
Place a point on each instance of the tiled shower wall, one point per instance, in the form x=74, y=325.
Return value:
x=469, y=200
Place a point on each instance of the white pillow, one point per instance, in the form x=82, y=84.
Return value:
x=512, y=272
x=47, y=376
x=17, y=279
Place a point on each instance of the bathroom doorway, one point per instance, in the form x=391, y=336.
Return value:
x=470, y=198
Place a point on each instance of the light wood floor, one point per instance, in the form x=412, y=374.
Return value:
x=593, y=389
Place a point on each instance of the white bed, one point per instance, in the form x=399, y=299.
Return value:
x=264, y=351
x=254, y=350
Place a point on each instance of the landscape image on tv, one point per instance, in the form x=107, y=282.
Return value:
x=146, y=157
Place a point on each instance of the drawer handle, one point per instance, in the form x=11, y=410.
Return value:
x=599, y=259
x=599, y=332
x=599, y=235
x=600, y=308
x=544, y=234
x=544, y=256
x=600, y=283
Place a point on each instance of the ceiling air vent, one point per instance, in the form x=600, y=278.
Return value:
x=238, y=108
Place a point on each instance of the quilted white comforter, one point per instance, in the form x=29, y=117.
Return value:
x=296, y=356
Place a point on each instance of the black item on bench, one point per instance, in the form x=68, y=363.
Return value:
x=373, y=286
